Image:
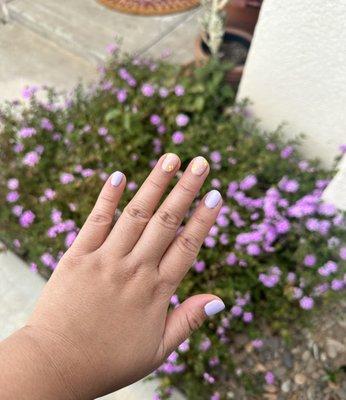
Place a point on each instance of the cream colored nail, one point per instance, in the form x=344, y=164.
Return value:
x=170, y=162
x=199, y=165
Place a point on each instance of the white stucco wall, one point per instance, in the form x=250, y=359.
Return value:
x=296, y=72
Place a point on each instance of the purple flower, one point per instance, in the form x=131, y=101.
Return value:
x=288, y=185
x=33, y=267
x=147, y=90
x=215, y=396
x=269, y=378
x=18, y=147
x=343, y=148
x=27, y=218
x=17, y=210
x=48, y=260
x=12, y=197
x=26, y=132
x=287, y=152
x=121, y=95
x=112, y=48
x=236, y=311
x=185, y=346
x=342, y=253
x=13, y=184
x=257, y=343
x=87, y=172
x=174, y=300
x=163, y=92
x=253, y=249
x=205, y=345
x=182, y=120
x=178, y=137
x=31, y=159
x=231, y=259
x=215, y=156
x=66, y=178
x=326, y=209
x=248, y=182
x=103, y=131
x=199, y=266
x=46, y=124
x=29, y=91
x=70, y=238
x=132, y=186
x=155, y=119
x=179, y=90
x=209, y=241
x=337, y=284
x=247, y=317
x=306, y=303
x=309, y=260
x=49, y=194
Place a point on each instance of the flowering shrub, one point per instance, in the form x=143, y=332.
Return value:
x=276, y=249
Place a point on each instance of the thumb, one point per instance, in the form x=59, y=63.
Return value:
x=187, y=318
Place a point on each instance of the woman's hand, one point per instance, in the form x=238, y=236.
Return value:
x=102, y=321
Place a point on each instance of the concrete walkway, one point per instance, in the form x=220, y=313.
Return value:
x=57, y=43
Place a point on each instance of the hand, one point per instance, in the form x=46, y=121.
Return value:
x=102, y=321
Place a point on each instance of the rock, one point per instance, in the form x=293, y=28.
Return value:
x=260, y=367
x=300, y=379
x=270, y=396
x=286, y=386
x=323, y=357
x=306, y=355
x=270, y=388
x=287, y=359
x=333, y=347
x=315, y=351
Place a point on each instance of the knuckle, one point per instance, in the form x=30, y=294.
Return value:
x=188, y=244
x=154, y=184
x=193, y=321
x=201, y=221
x=100, y=217
x=107, y=198
x=138, y=212
x=185, y=188
x=168, y=219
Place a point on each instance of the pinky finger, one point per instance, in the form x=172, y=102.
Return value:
x=99, y=222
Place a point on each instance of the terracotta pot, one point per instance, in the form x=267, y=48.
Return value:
x=243, y=14
x=202, y=52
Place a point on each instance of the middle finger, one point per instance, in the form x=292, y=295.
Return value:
x=163, y=226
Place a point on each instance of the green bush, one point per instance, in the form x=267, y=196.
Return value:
x=275, y=251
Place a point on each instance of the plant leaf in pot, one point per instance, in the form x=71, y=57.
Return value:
x=234, y=49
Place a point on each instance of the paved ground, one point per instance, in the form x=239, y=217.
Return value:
x=59, y=43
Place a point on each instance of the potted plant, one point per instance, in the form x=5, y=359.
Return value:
x=229, y=44
x=243, y=14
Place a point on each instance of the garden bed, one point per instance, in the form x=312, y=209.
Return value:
x=275, y=253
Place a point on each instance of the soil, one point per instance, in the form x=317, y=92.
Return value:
x=312, y=367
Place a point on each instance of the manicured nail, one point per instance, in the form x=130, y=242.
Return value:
x=214, y=307
x=199, y=165
x=212, y=199
x=170, y=162
x=116, y=178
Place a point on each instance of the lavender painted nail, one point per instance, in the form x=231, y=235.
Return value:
x=116, y=178
x=212, y=199
x=213, y=307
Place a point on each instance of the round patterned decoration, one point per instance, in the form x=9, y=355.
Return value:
x=150, y=7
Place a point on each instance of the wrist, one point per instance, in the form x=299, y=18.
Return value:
x=30, y=365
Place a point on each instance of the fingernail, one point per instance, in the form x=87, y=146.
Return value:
x=116, y=178
x=170, y=162
x=214, y=307
x=199, y=165
x=212, y=199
